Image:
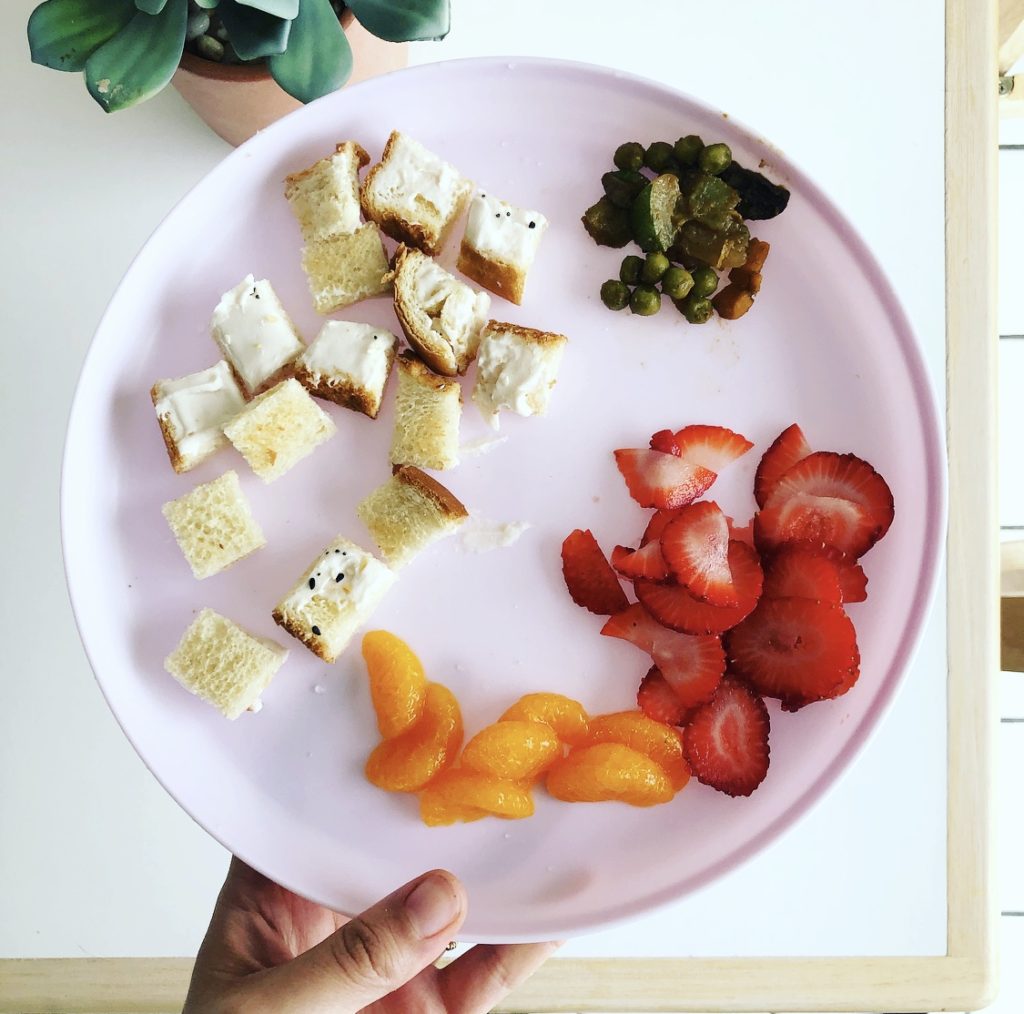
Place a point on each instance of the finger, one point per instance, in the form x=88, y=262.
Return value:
x=487, y=973
x=374, y=954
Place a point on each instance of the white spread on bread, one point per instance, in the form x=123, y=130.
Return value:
x=455, y=311
x=411, y=175
x=513, y=374
x=502, y=232
x=197, y=407
x=254, y=332
x=343, y=574
x=359, y=352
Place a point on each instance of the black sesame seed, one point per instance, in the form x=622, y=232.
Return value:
x=312, y=582
x=533, y=225
x=315, y=629
x=497, y=214
x=345, y=553
x=340, y=577
x=337, y=550
x=508, y=214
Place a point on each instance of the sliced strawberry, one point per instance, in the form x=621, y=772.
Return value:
x=656, y=479
x=853, y=582
x=795, y=649
x=823, y=520
x=673, y=606
x=695, y=544
x=589, y=577
x=741, y=533
x=800, y=572
x=657, y=700
x=712, y=447
x=645, y=562
x=658, y=523
x=726, y=740
x=692, y=666
x=790, y=447
x=825, y=473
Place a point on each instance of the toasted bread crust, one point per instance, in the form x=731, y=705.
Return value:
x=435, y=352
x=300, y=633
x=412, y=366
x=501, y=278
x=529, y=334
x=341, y=392
x=442, y=497
x=362, y=158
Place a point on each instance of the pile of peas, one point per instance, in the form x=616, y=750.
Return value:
x=636, y=286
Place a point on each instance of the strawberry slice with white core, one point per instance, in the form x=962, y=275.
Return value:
x=695, y=544
x=656, y=479
x=646, y=562
x=846, y=476
x=692, y=666
x=822, y=520
x=711, y=447
x=790, y=447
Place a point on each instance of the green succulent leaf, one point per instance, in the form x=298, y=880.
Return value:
x=139, y=60
x=403, y=20
x=318, y=59
x=208, y=4
x=254, y=33
x=279, y=8
x=151, y=6
x=63, y=34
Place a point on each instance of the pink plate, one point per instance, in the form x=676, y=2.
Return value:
x=826, y=345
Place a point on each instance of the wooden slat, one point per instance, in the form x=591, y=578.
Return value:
x=1011, y=33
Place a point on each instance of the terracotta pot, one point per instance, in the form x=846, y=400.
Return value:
x=237, y=100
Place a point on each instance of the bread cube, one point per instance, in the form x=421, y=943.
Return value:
x=348, y=363
x=254, y=334
x=345, y=268
x=224, y=665
x=441, y=316
x=214, y=525
x=408, y=513
x=413, y=195
x=334, y=597
x=499, y=245
x=516, y=369
x=427, y=413
x=325, y=197
x=278, y=429
x=192, y=412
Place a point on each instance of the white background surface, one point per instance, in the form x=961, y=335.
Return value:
x=94, y=858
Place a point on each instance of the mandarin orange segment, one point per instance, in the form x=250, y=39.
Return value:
x=435, y=812
x=514, y=749
x=606, y=771
x=407, y=762
x=457, y=791
x=398, y=685
x=566, y=716
x=662, y=743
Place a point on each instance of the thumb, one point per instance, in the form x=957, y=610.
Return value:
x=377, y=952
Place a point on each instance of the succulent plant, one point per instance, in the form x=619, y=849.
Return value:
x=129, y=49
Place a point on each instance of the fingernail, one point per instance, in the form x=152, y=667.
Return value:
x=432, y=906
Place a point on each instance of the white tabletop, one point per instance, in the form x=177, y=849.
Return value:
x=94, y=858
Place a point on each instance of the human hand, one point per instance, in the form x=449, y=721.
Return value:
x=268, y=950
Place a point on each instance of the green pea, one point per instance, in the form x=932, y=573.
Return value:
x=676, y=283
x=705, y=281
x=696, y=309
x=629, y=156
x=654, y=267
x=645, y=301
x=629, y=272
x=659, y=156
x=715, y=158
x=687, y=149
x=614, y=294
